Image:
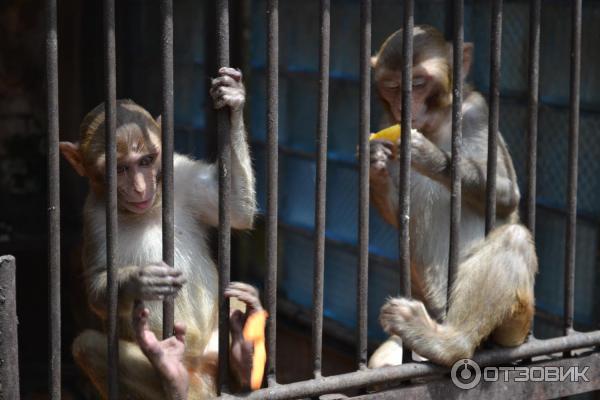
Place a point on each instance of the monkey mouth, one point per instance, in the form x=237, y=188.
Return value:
x=141, y=205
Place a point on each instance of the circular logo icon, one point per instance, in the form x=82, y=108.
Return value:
x=465, y=374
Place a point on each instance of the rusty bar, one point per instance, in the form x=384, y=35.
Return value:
x=110, y=85
x=168, y=218
x=532, y=110
x=9, y=340
x=457, y=99
x=224, y=245
x=404, y=175
x=532, y=113
x=321, y=182
x=510, y=384
x=52, y=124
x=363, y=181
x=573, y=159
x=404, y=184
x=494, y=99
x=358, y=379
x=272, y=189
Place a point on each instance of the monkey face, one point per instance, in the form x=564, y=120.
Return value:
x=137, y=181
x=389, y=85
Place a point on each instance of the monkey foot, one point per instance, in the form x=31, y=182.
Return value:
x=410, y=320
x=400, y=314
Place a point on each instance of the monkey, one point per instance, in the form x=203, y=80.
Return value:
x=492, y=295
x=167, y=356
x=141, y=274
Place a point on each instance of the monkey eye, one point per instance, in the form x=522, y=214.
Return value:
x=121, y=169
x=419, y=81
x=391, y=85
x=147, y=160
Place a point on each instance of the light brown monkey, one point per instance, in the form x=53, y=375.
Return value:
x=141, y=273
x=167, y=356
x=493, y=289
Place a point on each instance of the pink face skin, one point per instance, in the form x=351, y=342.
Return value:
x=389, y=85
x=137, y=181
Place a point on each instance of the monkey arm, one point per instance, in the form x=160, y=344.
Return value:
x=436, y=164
x=98, y=290
x=151, y=282
x=384, y=196
x=199, y=182
x=243, y=203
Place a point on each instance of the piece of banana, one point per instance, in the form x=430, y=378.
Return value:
x=391, y=133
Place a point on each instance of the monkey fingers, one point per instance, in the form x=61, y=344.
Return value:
x=245, y=293
x=143, y=335
x=235, y=73
x=224, y=81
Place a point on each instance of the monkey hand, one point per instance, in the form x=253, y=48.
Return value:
x=155, y=281
x=166, y=356
x=426, y=157
x=228, y=89
x=381, y=152
x=248, y=353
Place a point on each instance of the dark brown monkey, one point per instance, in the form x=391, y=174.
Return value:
x=141, y=273
x=493, y=290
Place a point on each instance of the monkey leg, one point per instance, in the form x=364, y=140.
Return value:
x=137, y=377
x=493, y=290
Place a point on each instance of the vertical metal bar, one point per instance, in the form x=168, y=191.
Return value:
x=168, y=218
x=319, y=261
x=224, y=141
x=532, y=127
x=9, y=344
x=495, y=46
x=404, y=176
x=532, y=111
x=272, y=189
x=457, y=100
x=573, y=159
x=110, y=107
x=363, y=180
x=52, y=124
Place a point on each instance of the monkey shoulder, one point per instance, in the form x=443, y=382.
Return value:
x=190, y=174
x=475, y=116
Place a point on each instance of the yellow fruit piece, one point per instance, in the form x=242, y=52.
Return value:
x=391, y=133
x=254, y=331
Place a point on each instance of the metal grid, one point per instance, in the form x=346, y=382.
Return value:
x=362, y=377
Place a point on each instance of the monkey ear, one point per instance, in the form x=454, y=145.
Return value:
x=467, y=58
x=373, y=61
x=159, y=121
x=72, y=153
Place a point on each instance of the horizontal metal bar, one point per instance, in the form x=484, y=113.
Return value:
x=508, y=388
x=360, y=379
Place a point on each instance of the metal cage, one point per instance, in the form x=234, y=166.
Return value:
x=362, y=377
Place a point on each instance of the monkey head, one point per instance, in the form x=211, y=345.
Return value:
x=432, y=77
x=138, y=155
